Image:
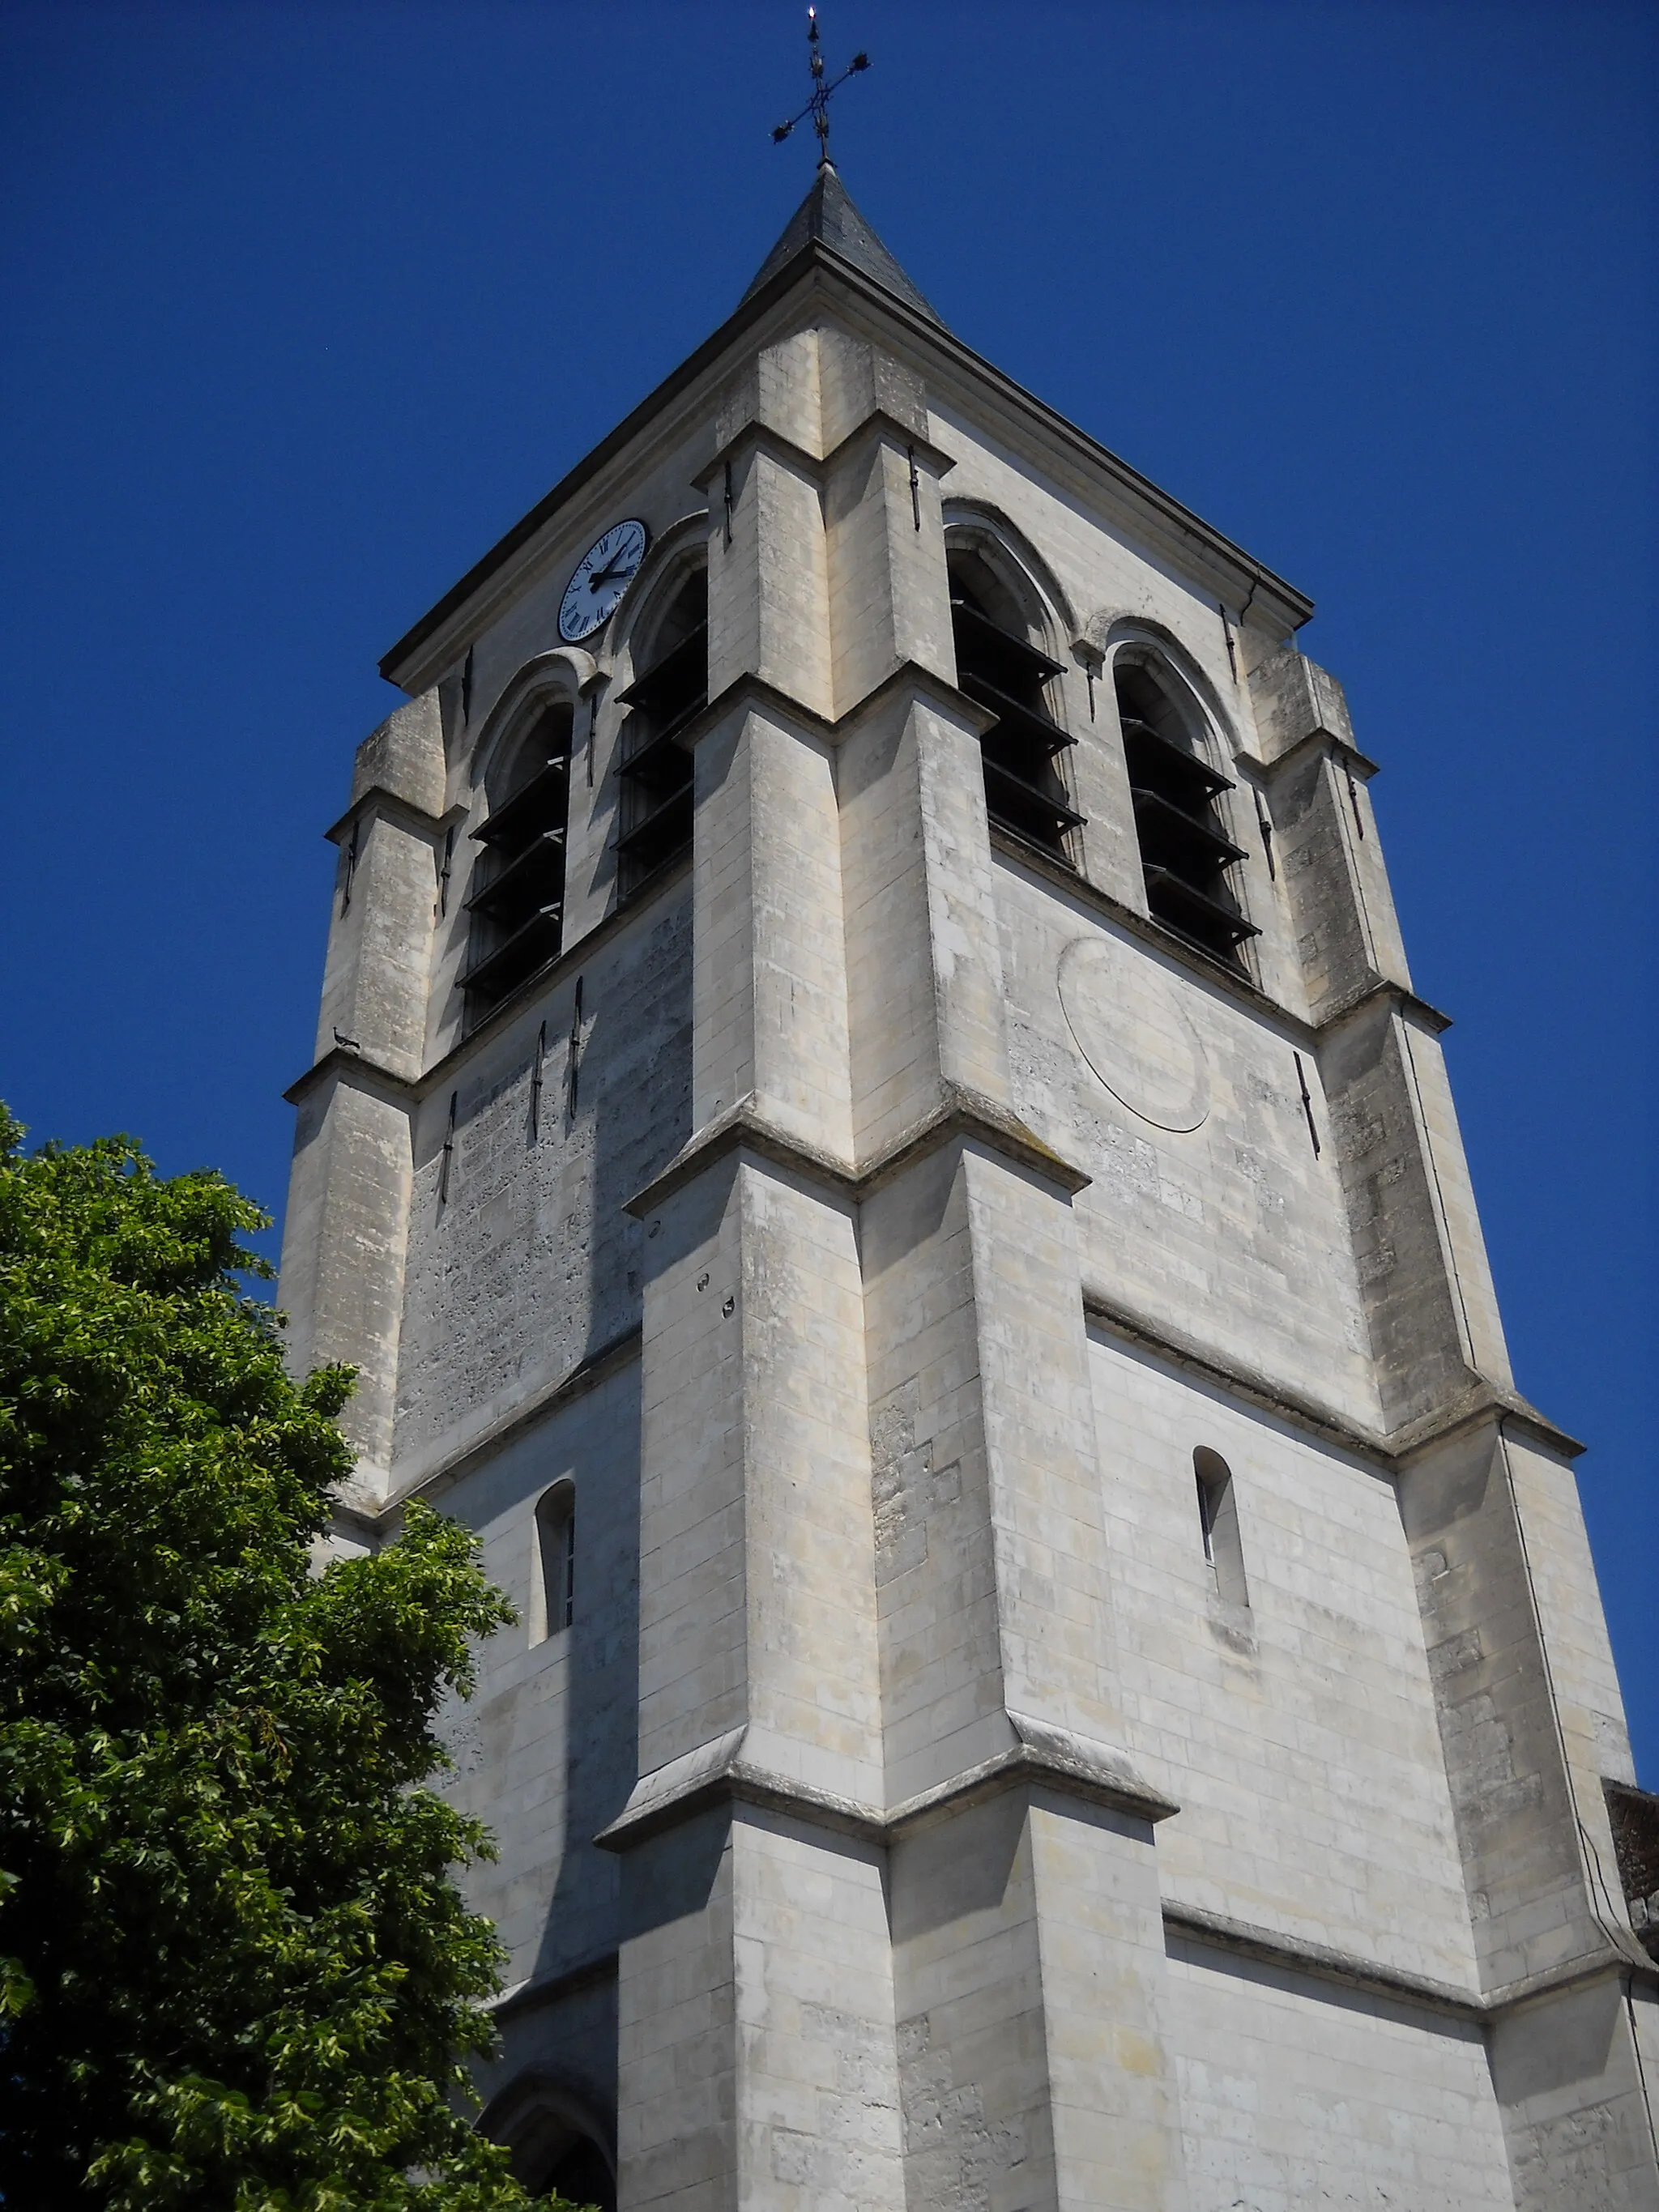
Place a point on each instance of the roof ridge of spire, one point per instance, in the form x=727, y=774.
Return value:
x=827, y=216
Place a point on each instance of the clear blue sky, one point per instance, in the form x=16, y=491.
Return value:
x=305, y=305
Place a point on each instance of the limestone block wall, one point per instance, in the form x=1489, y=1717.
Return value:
x=396, y=776
x=545, y=1754
x=343, y=1254
x=770, y=981
x=1210, y=1213
x=1294, y=2096
x=920, y=1733
x=1318, y=779
x=1029, y=1982
x=1529, y=1711
x=528, y=1263
x=1577, y=2094
x=924, y=985
x=1297, y=1732
x=757, y=2037
x=757, y=1608
x=942, y=1688
x=1100, y=576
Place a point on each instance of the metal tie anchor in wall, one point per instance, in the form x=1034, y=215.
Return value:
x=350, y=871
x=443, y=873
x=1307, y=1101
x=1267, y=829
x=573, y=1071
x=536, y=1084
x=448, y=1152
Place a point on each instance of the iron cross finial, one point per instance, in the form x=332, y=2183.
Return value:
x=818, y=106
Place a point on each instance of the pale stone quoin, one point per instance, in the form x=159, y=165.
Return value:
x=902, y=1187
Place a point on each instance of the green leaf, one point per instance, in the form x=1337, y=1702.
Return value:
x=235, y=1967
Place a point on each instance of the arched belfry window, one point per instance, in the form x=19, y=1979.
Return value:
x=1185, y=853
x=517, y=905
x=656, y=768
x=998, y=667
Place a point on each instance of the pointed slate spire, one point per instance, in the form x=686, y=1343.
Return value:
x=828, y=215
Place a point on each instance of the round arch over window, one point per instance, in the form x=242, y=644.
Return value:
x=1217, y=1520
x=1186, y=855
x=1046, y=613
x=1000, y=668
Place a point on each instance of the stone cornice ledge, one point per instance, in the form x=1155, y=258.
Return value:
x=1328, y=741
x=1295, y=1954
x=530, y=1994
x=744, y=1127
x=880, y=422
x=365, y=1074
x=1381, y=990
x=1393, y=1449
x=394, y=807
x=753, y=690
x=716, y=1773
x=377, y=1516
x=1175, y=949
x=1599, y=1966
x=964, y=1113
x=1484, y=1400
x=1042, y=1757
x=1214, y=1365
x=512, y=1008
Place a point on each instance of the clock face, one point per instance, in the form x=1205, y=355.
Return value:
x=603, y=574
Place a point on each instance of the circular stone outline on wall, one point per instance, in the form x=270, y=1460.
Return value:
x=1151, y=1060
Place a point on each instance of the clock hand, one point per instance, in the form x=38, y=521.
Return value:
x=616, y=567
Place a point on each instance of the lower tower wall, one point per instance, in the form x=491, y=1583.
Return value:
x=1296, y=2094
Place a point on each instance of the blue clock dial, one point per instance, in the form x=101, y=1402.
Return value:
x=603, y=574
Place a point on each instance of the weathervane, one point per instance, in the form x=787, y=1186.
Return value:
x=818, y=106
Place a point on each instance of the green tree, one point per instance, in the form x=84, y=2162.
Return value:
x=237, y=1972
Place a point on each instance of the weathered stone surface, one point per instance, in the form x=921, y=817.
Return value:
x=969, y=1840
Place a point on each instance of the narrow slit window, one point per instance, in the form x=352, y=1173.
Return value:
x=1186, y=856
x=1207, y=1502
x=553, y=1594
x=517, y=905
x=656, y=770
x=998, y=668
x=1217, y=1522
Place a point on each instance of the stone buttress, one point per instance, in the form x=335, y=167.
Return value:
x=872, y=1220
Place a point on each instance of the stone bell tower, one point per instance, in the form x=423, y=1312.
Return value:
x=872, y=1136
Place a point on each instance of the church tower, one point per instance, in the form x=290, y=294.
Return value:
x=872, y=1134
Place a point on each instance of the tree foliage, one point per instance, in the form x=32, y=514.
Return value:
x=237, y=1972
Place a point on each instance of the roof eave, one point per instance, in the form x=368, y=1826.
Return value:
x=404, y=657
x=748, y=311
